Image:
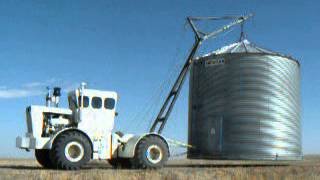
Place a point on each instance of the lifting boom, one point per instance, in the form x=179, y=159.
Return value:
x=200, y=36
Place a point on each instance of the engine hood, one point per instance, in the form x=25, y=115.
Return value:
x=56, y=110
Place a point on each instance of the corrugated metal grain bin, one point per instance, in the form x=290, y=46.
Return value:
x=244, y=103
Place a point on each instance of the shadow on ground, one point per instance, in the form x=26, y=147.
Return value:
x=223, y=165
x=105, y=166
x=20, y=167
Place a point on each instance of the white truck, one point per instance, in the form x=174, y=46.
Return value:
x=67, y=138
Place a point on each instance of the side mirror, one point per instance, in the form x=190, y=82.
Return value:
x=116, y=113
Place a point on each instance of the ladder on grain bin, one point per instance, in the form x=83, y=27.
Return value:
x=200, y=36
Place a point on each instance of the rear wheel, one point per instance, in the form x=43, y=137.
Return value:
x=70, y=151
x=43, y=158
x=151, y=152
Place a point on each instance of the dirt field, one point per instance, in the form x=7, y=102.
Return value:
x=309, y=168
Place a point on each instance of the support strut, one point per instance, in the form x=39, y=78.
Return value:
x=200, y=36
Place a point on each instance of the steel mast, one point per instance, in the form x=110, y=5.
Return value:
x=200, y=36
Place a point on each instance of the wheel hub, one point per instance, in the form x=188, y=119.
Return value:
x=74, y=151
x=154, y=154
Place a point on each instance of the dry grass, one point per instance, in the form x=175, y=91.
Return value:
x=177, y=169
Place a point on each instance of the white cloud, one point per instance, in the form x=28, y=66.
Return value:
x=18, y=93
x=35, y=88
x=3, y=87
x=33, y=84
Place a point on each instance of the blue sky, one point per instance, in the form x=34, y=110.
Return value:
x=132, y=47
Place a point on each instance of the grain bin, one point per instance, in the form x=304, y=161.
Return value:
x=244, y=103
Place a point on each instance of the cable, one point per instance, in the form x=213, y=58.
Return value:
x=156, y=95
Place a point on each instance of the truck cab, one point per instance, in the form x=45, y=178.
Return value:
x=94, y=112
x=92, y=107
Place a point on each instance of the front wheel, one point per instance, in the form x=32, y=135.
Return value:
x=70, y=151
x=151, y=152
x=43, y=158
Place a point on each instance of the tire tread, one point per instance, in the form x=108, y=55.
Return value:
x=139, y=159
x=57, y=152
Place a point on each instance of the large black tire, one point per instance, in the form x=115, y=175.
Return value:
x=70, y=151
x=43, y=158
x=151, y=153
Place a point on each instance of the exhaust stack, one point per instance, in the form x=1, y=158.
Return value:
x=54, y=98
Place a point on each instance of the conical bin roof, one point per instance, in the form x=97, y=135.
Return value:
x=243, y=46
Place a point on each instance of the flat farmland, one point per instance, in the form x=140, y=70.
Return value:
x=309, y=168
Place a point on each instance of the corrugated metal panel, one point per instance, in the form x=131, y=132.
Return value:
x=245, y=106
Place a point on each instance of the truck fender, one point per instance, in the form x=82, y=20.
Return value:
x=127, y=149
x=69, y=129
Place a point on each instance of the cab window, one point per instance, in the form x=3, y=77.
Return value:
x=109, y=103
x=85, y=101
x=96, y=102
